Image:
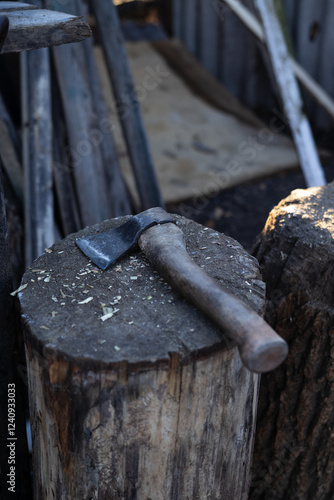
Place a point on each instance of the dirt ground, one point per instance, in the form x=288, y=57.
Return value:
x=241, y=212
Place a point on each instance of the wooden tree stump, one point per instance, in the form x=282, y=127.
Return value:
x=294, y=456
x=134, y=394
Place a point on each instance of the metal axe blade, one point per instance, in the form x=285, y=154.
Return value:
x=107, y=248
x=162, y=241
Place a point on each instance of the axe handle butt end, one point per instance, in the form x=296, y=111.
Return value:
x=261, y=348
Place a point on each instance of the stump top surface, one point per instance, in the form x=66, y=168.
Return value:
x=128, y=312
x=310, y=212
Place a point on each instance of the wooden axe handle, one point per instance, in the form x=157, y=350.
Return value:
x=261, y=349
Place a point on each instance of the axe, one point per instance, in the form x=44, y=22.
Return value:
x=162, y=241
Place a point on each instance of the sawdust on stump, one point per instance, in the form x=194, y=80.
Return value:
x=132, y=390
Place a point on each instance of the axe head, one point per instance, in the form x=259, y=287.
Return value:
x=107, y=248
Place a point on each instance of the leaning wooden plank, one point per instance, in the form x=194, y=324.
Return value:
x=202, y=82
x=117, y=194
x=317, y=92
x=289, y=91
x=37, y=152
x=35, y=28
x=84, y=154
x=9, y=151
x=62, y=172
x=127, y=103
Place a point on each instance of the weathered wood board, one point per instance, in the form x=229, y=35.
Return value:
x=32, y=28
x=37, y=152
x=142, y=397
x=95, y=169
x=127, y=104
x=197, y=149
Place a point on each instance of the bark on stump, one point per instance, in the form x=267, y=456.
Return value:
x=294, y=450
x=134, y=394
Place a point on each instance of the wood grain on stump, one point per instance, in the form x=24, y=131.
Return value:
x=294, y=452
x=133, y=392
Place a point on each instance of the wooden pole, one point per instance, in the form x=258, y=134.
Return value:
x=127, y=103
x=290, y=94
x=37, y=152
x=62, y=172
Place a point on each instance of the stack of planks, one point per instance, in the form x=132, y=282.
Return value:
x=60, y=166
x=69, y=176
x=23, y=27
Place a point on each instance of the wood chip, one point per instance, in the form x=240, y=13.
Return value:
x=22, y=287
x=108, y=315
x=86, y=300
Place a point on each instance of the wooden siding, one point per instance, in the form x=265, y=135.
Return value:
x=226, y=48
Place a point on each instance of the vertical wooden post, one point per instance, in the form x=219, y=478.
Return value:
x=127, y=103
x=62, y=174
x=37, y=152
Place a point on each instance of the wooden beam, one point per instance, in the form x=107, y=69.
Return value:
x=31, y=28
x=37, y=152
x=289, y=91
x=127, y=103
x=62, y=172
x=118, y=196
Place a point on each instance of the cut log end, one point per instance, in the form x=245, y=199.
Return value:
x=133, y=391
